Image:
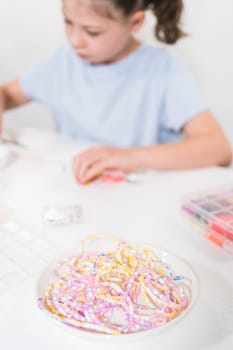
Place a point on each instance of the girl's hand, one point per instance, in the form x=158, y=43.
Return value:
x=11, y=95
x=94, y=161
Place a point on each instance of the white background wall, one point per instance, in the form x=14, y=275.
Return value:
x=30, y=29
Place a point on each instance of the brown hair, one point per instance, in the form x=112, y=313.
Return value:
x=167, y=12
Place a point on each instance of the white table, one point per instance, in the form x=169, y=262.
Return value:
x=146, y=212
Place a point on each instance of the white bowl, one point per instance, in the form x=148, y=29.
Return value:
x=178, y=265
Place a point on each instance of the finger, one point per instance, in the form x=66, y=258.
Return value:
x=86, y=164
x=1, y=114
x=94, y=171
x=79, y=163
x=75, y=167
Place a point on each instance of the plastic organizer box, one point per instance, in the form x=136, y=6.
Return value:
x=213, y=214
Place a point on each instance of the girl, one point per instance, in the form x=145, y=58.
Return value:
x=111, y=89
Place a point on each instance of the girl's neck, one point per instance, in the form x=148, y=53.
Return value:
x=130, y=48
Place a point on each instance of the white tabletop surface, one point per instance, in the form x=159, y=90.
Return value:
x=146, y=212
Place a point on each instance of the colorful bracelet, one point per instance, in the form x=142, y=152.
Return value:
x=123, y=290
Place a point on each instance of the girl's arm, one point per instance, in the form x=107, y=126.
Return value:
x=11, y=96
x=204, y=145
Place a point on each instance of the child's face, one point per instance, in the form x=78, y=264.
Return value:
x=97, y=38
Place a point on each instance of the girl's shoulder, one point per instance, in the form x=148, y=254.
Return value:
x=161, y=59
x=156, y=58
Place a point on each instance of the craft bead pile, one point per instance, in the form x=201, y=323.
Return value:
x=123, y=290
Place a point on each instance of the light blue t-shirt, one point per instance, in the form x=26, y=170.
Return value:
x=143, y=99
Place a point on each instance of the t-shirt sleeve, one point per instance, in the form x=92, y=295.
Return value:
x=183, y=99
x=42, y=82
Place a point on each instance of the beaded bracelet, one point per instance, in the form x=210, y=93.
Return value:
x=117, y=291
